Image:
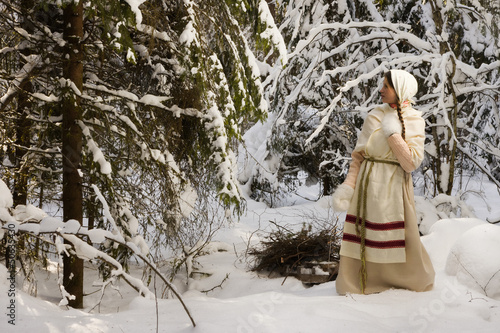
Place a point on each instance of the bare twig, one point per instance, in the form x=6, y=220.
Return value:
x=218, y=286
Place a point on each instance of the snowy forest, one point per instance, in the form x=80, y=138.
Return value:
x=135, y=131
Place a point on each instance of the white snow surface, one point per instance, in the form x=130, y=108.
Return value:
x=224, y=296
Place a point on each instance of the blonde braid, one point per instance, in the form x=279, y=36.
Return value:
x=400, y=116
x=388, y=76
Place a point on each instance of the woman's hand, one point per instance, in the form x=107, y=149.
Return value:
x=391, y=123
x=341, y=198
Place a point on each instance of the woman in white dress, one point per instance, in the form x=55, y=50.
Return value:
x=381, y=247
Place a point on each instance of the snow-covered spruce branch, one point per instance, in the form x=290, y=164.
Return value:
x=272, y=32
x=252, y=61
x=142, y=142
x=151, y=31
x=98, y=156
x=41, y=32
x=146, y=100
x=33, y=150
x=22, y=77
x=70, y=231
x=239, y=73
x=190, y=36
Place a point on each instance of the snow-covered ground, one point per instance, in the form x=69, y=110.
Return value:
x=230, y=298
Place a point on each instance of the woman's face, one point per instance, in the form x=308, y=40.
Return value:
x=388, y=93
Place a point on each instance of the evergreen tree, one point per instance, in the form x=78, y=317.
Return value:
x=157, y=92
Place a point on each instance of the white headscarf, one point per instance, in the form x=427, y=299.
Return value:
x=405, y=84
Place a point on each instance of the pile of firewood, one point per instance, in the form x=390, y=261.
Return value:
x=311, y=256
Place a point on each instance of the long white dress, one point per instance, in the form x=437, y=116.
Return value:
x=387, y=252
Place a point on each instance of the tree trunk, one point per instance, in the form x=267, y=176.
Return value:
x=446, y=153
x=23, y=137
x=20, y=195
x=72, y=144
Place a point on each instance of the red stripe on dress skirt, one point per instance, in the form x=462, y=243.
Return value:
x=375, y=244
x=378, y=226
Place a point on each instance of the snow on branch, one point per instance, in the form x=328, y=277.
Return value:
x=147, y=100
x=272, y=32
x=21, y=78
x=326, y=113
x=190, y=35
x=480, y=165
x=105, y=207
x=151, y=31
x=95, y=150
x=222, y=154
x=395, y=28
x=134, y=6
x=72, y=232
x=473, y=89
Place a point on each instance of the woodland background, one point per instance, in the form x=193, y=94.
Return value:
x=153, y=122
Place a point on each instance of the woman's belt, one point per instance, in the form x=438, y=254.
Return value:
x=361, y=211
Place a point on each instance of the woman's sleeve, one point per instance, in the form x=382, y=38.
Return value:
x=352, y=175
x=410, y=153
x=371, y=122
